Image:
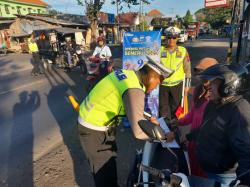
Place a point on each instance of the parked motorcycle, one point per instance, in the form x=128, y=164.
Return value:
x=77, y=60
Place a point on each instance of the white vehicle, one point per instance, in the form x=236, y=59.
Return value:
x=183, y=36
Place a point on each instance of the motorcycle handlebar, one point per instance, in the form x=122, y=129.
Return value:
x=152, y=171
x=162, y=174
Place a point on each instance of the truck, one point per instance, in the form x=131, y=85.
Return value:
x=193, y=30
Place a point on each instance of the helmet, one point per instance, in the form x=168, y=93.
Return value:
x=100, y=38
x=68, y=39
x=172, y=32
x=231, y=75
x=158, y=67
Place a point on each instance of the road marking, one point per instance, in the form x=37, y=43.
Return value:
x=18, y=71
x=23, y=86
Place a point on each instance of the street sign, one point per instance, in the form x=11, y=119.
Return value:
x=216, y=3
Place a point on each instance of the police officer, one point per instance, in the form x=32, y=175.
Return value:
x=33, y=49
x=223, y=140
x=177, y=59
x=120, y=93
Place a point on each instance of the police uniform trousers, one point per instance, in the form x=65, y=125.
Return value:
x=169, y=100
x=101, y=151
x=37, y=65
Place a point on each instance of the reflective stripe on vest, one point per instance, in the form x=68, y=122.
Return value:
x=173, y=61
x=32, y=46
x=104, y=102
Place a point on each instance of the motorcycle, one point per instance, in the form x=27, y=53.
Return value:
x=97, y=68
x=77, y=60
x=144, y=174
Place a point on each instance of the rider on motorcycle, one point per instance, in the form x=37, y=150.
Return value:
x=102, y=51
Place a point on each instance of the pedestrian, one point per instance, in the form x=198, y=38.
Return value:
x=69, y=49
x=223, y=139
x=177, y=59
x=33, y=49
x=120, y=93
x=195, y=117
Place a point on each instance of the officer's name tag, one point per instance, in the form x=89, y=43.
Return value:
x=120, y=75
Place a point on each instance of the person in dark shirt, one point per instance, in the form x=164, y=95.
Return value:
x=223, y=139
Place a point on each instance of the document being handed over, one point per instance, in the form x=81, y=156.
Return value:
x=165, y=128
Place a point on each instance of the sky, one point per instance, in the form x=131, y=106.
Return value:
x=167, y=7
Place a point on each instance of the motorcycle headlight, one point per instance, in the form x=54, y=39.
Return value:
x=78, y=52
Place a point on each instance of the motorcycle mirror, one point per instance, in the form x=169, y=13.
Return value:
x=153, y=131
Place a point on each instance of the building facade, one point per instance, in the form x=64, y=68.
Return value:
x=8, y=8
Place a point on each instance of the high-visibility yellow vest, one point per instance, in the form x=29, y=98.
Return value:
x=104, y=102
x=173, y=61
x=32, y=46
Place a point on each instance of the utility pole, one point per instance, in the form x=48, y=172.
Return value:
x=118, y=28
x=233, y=18
x=142, y=16
x=243, y=25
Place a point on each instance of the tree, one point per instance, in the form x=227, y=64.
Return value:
x=188, y=18
x=179, y=21
x=216, y=17
x=93, y=8
x=143, y=26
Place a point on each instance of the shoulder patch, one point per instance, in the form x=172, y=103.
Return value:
x=120, y=75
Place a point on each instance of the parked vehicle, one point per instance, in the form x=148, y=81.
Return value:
x=183, y=36
x=193, y=30
x=52, y=48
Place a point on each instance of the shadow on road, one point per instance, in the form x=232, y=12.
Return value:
x=22, y=126
x=60, y=88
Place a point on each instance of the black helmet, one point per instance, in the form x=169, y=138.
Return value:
x=231, y=75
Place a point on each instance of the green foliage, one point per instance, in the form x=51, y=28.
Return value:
x=93, y=8
x=143, y=26
x=188, y=18
x=216, y=17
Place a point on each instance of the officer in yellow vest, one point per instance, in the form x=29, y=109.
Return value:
x=177, y=59
x=33, y=49
x=118, y=94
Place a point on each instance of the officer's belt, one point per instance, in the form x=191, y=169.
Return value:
x=90, y=126
x=111, y=123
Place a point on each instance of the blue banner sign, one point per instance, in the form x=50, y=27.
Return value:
x=136, y=46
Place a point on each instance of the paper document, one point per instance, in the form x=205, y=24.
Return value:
x=165, y=128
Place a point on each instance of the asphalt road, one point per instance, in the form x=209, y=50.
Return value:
x=36, y=118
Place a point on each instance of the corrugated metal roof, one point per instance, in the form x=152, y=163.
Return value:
x=52, y=20
x=66, y=30
x=6, y=21
x=26, y=27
